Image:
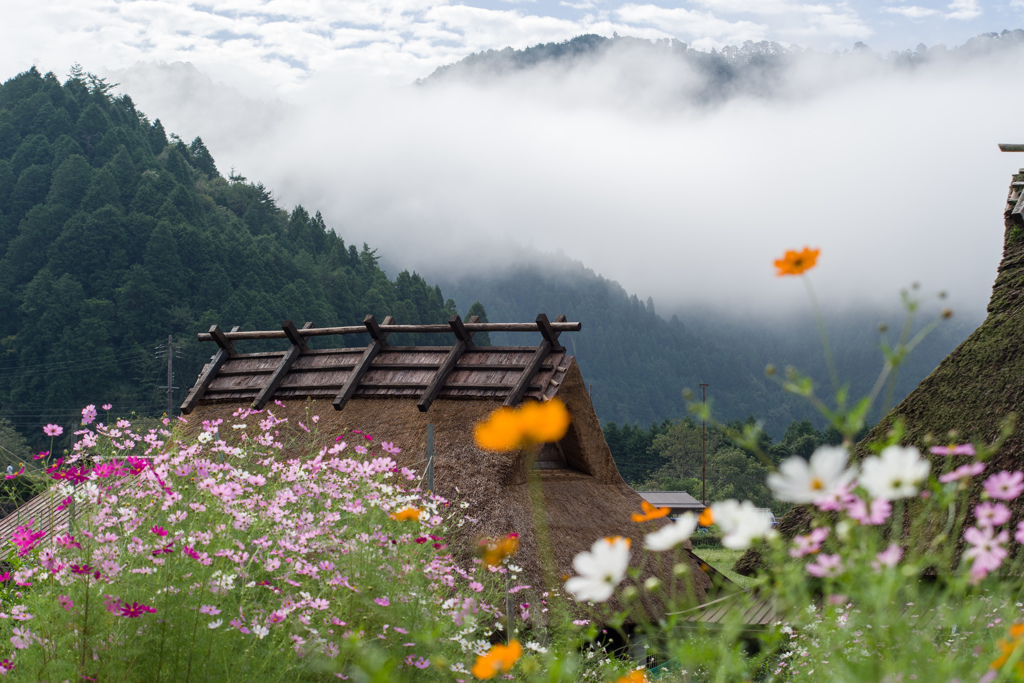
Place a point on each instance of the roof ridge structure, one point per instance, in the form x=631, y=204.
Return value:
x=462, y=370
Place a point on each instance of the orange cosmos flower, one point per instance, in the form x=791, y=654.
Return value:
x=706, y=518
x=507, y=429
x=499, y=659
x=495, y=552
x=633, y=677
x=1016, y=632
x=650, y=512
x=797, y=263
x=612, y=539
x=408, y=514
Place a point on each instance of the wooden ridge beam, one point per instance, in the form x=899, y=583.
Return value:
x=380, y=340
x=560, y=324
x=539, y=356
x=226, y=350
x=290, y=356
x=464, y=341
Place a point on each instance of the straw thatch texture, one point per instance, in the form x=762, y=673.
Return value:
x=971, y=391
x=586, y=502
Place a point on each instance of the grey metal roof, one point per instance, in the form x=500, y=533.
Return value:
x=672, y=499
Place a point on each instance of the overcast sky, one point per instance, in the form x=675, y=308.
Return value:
x=893, y=173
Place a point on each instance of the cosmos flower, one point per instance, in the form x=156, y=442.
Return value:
x=53, y=430
x=508, y=429
x=1005, y=485
x=671, y=535
x=498, y=660
x=826, y=566
x=649, y=512
x=796, y=262
x=897, y=472
x=406, y=515
x=986, y=551
x=600, y=570
x=741, y=523
x=962, y=449
x=803, y=481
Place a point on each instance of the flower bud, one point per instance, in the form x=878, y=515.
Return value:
x=769, y=370
x=629, y=593
x=652, y=584
x=681, y=569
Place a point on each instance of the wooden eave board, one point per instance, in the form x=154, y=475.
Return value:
x=481, y=373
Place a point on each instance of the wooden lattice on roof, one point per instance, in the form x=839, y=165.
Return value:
x=460, y=371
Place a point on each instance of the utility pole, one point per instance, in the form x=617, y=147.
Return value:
x=703, y=440
x=170, y=376
x=170, y=351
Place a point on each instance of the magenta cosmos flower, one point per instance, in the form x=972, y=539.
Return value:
x=1005, y=485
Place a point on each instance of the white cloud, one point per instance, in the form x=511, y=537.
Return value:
x=964, y=10
x=912, y=12
x=690, y=24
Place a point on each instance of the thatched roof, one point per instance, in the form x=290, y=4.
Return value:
x=973, y=389
x=395, y=392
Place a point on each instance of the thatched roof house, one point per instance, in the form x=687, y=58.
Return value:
x=975, y=387
x=395, y=392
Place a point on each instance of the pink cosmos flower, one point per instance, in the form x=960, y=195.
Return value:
x=383, y=602
x=159, y=531
x=991, y=514
x=88, y=414
x=1019, y=536
x=66, y=602
x=106, y=406
x=476, y=586
x=53, y=430
x=986, y=550
x=969, y=470
x=874, y=515
x=962, y=449
x=826, y=566
x=135, y=609
x=809, y=543
x=22, y=638
x=1005, y=485
x=25, y=538
x=112, y=604
x=209, y=609
x=67, y=541
x=390, y=447
x=889, y=557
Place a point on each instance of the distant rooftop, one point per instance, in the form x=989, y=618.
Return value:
x=672, y=499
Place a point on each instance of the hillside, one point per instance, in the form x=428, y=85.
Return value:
x=114, y=235
x=639, y=363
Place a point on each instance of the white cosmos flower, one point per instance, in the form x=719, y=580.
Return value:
x=600, y=570
x=671, y=535
x=800, y=481
x=897, y=472
x=741, y=523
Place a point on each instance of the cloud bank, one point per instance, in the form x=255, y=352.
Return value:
x=892, y=171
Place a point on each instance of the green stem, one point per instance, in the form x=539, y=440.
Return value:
x=824, y=335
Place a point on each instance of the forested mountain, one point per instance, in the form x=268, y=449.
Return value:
x=114, y=235
x=683, y=74
x=639, y=363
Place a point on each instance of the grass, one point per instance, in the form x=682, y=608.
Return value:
x=723, y=559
